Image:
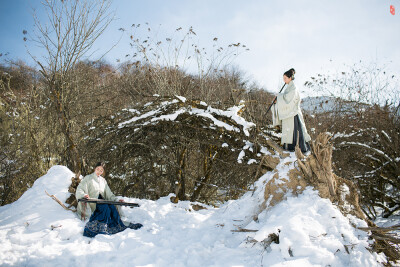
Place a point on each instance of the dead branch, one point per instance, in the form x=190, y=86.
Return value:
x=376, y=151
x=59, y=201
x=241, y=230
x=380, y=229
x=394, y=240
x=277, y=148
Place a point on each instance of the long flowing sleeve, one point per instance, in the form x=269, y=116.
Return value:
x=82, y=189
x=83, y=210
x=275, y=117
x=108, y=194
x=288, y=102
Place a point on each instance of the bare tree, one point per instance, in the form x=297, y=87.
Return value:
x=170, y=57
x=66, y=37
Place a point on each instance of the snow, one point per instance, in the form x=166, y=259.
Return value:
x=343, y=135
x=319, y=233
x=208, y=113
x=181, y=98
x=345, y=191
x=251, y=161
x=264, y=151
x=148, y=114
x=387, y=136
x=203, y=113
x=36, y=231
x=241, y=156
x=132, y=110
x=151, y=113
x=168, y=117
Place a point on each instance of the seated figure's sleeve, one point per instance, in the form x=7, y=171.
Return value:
x=108, y=194
x=82, y=189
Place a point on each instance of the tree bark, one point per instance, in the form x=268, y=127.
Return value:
x=208, y=164
x=73, y=155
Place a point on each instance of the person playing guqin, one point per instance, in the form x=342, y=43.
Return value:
x=103, y=218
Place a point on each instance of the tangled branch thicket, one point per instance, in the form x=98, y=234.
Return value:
x=365, y=127
x=174, y=145
x=32, y=139
x=45, y=112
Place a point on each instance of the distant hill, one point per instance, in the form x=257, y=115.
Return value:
x=324, y=104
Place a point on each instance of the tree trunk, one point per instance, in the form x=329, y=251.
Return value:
x=208, y=163
x=73, y=155
x=180, y=191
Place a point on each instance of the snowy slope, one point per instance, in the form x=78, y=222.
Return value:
x=36, y=231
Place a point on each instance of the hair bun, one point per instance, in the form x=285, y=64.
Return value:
x=290, y=73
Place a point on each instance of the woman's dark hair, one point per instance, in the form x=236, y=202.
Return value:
x=290, y=73
x=100, y=163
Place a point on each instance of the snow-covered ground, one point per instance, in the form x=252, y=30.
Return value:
x=36, y=231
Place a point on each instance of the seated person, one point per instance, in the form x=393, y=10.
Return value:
x=103, y=218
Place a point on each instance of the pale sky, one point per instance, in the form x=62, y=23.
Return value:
x=312, y=36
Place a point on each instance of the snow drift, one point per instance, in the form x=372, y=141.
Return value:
x=36, y=231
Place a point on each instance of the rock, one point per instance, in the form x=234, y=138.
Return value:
x=198, y=207
x=270, y=162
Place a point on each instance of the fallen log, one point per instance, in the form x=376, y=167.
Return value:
x=103, y=201
x=242, y=230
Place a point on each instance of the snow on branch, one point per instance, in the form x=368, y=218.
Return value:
x=380, y=152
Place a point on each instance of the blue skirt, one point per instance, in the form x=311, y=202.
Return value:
x=104, y=220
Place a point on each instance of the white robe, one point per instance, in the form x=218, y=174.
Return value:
x=93, y=186
x=287, y=106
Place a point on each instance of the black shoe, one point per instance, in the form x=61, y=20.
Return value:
x=135, y=226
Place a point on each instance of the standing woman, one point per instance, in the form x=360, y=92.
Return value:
x=103, y=218
x=287, y=113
